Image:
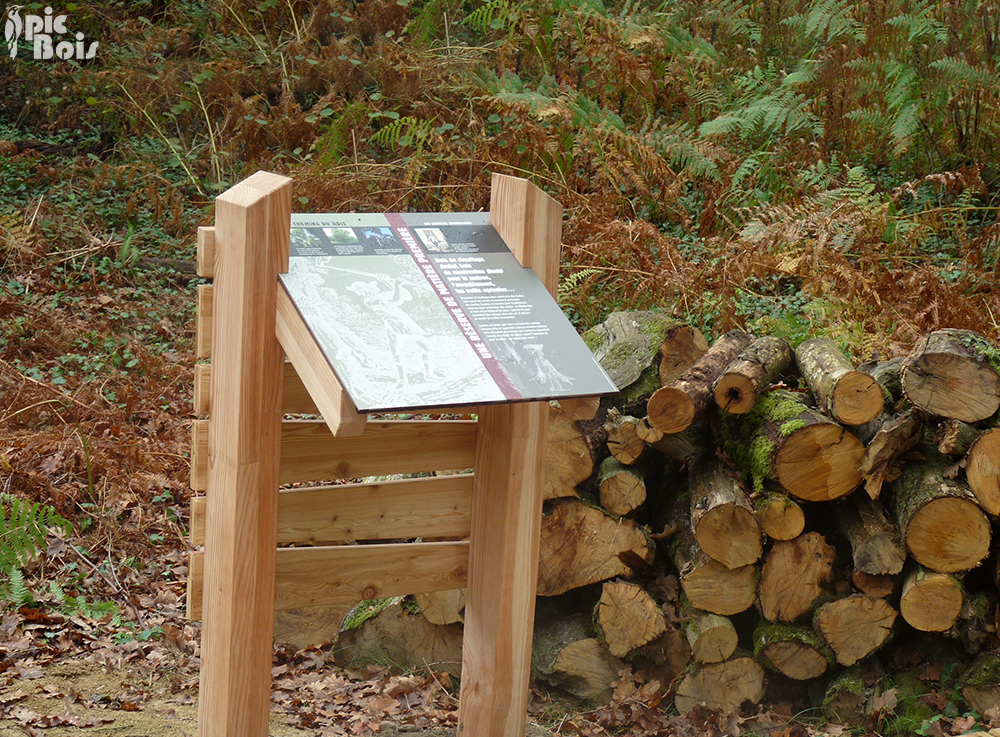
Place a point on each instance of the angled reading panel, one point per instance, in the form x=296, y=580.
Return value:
x=422, y=311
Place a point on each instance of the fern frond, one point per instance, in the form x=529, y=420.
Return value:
x=23, y=528
x=571, y=283
x=495, y=15
x=404, y=131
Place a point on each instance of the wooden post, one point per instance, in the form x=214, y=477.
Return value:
x=507, y=503
x=252, y=226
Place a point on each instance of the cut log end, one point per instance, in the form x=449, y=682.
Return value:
x=983, y=470
x=671, y=410
x=931, y=601
x=820, y=462
x=730, y=534
x=780, y=517
x=949, y=534
x=735, y=394
x=721, y=686
x=856, y=626
x=948, y=374
x=857, y=399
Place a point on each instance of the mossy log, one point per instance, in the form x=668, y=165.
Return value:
x=622, y=488
x=442, y=607
x=780, y=517
x=849, y=396
x=874, y=541
x=753, y=371
x=627, y=617
x=720, y=686
x=722, y=519
x=981, y=683
x=954, y=437
x=580, y=545
x=953, y=373
x=939, y=519
x=568, y=458
x=685, y=401
x=712, y=637
x=888, y=374
x=707, y=583
x=565, y=655
x=930, y=601
x=810, y=456
x=845, y=698
x=855, y=626
x=792, y=650
x=883, y=459
x=681, y=348
x=982, y=470
x=624, y=442
x=794, y=577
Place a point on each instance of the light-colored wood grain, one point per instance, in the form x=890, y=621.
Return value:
x=295, y=399
x=530, y=223
x=323, y=576
x=584, y=408
x=206, y=252
x=202, y=389
x=252, y=227
x=314, y=370
x=195, y=583
x=436, y=506
x=309, y=452
x=203, y=322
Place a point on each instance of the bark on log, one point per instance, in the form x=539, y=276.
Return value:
x=707, y=583
x=888, y=374
x=564, y=655
x=793, y=577
x=580, y=545
x=981, y=683
x=844, y=700
x=849, y=396
x=685, y=401
x=686, y=445
x=622, y=488
x=628, y=617
x=780, y=517
x=680, y=350
x=627, y=345
x=882, y=460
x=753, y=371
x=792, y=650
x=624, y=442
x=568, y=459
x=712, y=637
x=721, y=686
x=938, y=518
x=952, y=373
x=664, y=658
x=930, y=601
x=873, y=538
x=855, y=627
x=723, y=521
x=812, y=457
x=876, y=586
x=954, y=437
x=982, y=470
x=442, y=607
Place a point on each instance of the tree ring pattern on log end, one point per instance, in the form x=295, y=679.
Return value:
x=820, y=462
x=949, y=535
x=858, y=399
x=670, y=410
x=932, y=604
x=983, y=471
x=954, y=386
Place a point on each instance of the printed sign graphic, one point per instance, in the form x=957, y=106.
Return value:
x=417, y=311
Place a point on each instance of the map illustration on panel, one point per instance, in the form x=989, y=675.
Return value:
x=415, y=311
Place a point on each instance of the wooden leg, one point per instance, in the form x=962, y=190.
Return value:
x=503, y=570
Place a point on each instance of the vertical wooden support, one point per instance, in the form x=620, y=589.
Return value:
x=252, y=225
x=507, y=503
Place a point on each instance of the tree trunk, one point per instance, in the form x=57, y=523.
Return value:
x=844, y=700
x=872, y=536
x=723, y=521
x=680, y=350
x=721, y=686
x=952, y=373
x=442, y=607
x=686, y=445
x=685, y=401
x=753, y=371
x=877, y=586
x=628, y=618
x=982, y=469
x=624, y=442
x=812, y=457
x=887, y=374
x=792, y=650
x=930, y=601
x=981, y=683
x=855, y=627
x=627, y=345
x=564, y=655
x=707, y=583
x=938, y=518
x=568, y=460
x=954, y=437
x=849, y=396
x=882, y=461
x=622, y=488
x=780, y=517
x=793, y=576
x=712, y=637
x=580, y=545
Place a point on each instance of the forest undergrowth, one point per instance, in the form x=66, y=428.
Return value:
x=793, y=167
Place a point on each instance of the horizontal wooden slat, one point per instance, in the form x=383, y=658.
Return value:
x=206, y=251
x=310, y=453
x=295, y=398
x=203, y=322
x=438, y=506
x=307, y=577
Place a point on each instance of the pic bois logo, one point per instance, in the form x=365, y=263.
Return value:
x=46, y=35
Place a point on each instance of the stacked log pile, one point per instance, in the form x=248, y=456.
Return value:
x=746, y=512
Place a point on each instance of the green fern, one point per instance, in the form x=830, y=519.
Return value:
x=18, y=592
x=404, y=131
x=495, y=15
x=23, y=528
x=570, y=284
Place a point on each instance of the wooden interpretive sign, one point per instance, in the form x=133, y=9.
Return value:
x=415, y=311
